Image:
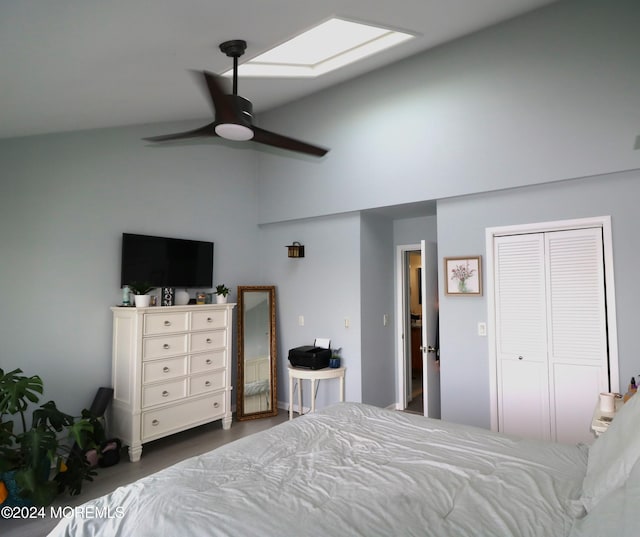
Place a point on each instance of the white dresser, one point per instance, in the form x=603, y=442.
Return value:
x=170, y=371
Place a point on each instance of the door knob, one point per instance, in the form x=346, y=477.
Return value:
x=431, y=348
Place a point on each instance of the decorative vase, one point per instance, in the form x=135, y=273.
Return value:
x=181, y=298
x=221, y=299
x=142, y=301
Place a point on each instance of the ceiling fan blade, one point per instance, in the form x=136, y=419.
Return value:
x=284, y=142
x=207, y=130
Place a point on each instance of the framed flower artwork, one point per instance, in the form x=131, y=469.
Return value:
x=463, y=276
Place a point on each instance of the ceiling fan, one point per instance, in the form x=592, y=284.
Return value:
x=233, y=113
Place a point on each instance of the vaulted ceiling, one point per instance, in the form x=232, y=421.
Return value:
x=81, y=64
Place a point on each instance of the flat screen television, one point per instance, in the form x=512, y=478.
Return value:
x=165, y=262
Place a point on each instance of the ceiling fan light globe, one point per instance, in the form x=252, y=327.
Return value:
x=233, y=131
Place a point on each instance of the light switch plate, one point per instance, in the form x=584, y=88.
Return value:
x=482, y=329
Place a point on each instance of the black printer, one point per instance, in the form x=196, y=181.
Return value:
x=310, y=356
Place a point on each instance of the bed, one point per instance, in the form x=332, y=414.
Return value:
x=354, y=469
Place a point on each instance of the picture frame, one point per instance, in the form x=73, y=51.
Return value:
x=463, y=276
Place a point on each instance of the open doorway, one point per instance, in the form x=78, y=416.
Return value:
x=415, y=400
x=417, y=358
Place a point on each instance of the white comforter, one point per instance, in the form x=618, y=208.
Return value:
x=352, y=470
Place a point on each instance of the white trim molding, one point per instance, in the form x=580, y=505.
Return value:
x=401, y=341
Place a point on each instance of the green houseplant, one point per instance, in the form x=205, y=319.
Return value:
x=28, y=453
x=140, y=290
x=221, y=293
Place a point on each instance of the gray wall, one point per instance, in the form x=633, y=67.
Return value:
x=377, y=285
x=461, y=231
x=413, y=230
x=64, y=203
x=549, y=96
x=323, y=287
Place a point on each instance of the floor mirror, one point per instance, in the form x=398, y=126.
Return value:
x=257, y=355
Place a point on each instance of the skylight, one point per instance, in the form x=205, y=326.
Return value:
x=324, y=48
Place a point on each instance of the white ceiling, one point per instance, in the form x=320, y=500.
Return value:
x=81, y=64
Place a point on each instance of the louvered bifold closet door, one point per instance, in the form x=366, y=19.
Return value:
x=576, y=317
x=521, y=337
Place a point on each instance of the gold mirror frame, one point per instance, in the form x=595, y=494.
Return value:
x=255, y=397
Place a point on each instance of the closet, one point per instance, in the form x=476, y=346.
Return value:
x=551, y=352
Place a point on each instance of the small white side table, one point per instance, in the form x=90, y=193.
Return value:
x=300, y=373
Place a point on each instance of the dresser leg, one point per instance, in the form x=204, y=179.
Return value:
x=135, y=452
x=226, y=423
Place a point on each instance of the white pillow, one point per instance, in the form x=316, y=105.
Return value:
x=616, y=514
x=613, y=455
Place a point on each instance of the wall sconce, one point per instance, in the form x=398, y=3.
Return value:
x=295, y=250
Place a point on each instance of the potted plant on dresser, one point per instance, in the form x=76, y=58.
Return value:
x=39, y=461
x=221, y=293
x=140, y=290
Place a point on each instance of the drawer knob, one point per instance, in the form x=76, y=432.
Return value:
x=167, y=323
x=208, y=340
x=216, y=404
x=155, y=423
x=208, y=361
x=520, y=357
x=207, y=383
x=165, y=346
x=165, y=393
x=209, y=320
x=165, y=369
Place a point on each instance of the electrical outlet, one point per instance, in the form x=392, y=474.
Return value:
x=347, y=323
x=300, y=320
x=482, y=329
x=385, y=319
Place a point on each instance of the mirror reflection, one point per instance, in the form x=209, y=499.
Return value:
x=256, y=352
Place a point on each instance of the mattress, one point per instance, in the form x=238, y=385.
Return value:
x=352, y=469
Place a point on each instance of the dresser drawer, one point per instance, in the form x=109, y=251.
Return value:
x=157, y=394
x=161, y=347
x=206, y=383
x=208, y=361
x=206, y=320
x=204, y=341
x=165, y=323
x=182, y=416
x=155, y=370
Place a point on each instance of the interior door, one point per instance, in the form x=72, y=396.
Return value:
x=430, y=354
x=521, y=336
x=551, y=333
